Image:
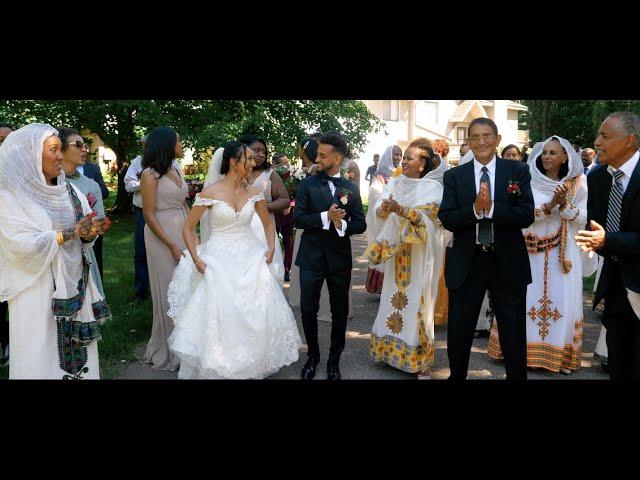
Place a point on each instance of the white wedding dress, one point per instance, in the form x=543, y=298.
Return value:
x=234, y=321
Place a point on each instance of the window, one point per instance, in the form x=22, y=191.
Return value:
x=430, y=113
x=390, y=110
x=462, y=135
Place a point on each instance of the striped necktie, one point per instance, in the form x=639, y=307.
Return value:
x=615, y=202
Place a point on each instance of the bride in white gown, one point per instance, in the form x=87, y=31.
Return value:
x=231, y=317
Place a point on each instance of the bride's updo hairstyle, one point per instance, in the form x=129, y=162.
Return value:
x=235, y=150
x=431, y=159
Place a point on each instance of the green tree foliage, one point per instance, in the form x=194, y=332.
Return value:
x=202, y=124
x=571, y=119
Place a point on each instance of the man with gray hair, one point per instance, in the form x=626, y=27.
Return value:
x=613, y=216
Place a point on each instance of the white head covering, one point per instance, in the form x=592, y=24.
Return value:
x=213, y=176
x=539, y=180
x=31, y=213
x=385, y=165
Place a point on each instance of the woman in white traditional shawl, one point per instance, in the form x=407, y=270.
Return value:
x=411, y=240
x=554, y=298
x=391, y=158
x=54, y=305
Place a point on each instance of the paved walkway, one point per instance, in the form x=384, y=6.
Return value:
x=355, y=362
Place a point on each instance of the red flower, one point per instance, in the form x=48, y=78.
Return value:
x=514, y=188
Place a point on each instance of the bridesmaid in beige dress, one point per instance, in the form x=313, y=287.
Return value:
x=165, y=210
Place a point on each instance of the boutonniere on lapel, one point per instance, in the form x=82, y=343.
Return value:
x=514, y=188
x=344, y=195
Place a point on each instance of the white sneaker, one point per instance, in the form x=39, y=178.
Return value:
x=566, y=371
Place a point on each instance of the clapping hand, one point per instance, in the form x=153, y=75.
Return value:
x=560, y=195
x=390, y=205
x=83, y=228
x=591, y=240
x=99, y=226
x=336, y=215
x=483, y=202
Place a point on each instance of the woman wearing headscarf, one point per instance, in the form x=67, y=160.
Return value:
x=554, y=298
x=391, y=158
x=46, y=226
x=411, y=241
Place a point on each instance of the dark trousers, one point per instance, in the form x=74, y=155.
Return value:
x=140, y=258
x=623, y=331
x=509, y=304
x=284, y=226
x=4, y=324
x=338, y=285
x=287, y=238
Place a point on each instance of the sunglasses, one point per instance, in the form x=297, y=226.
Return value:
x=79, y=144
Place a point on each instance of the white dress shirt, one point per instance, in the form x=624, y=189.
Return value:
x=491, y=171
x=132, y=180
x=628, y=167
x=326, y=223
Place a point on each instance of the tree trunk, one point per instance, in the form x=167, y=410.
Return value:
x=123, y=198
x=545, y=118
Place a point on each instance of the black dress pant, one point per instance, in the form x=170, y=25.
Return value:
x=338, y=285
x=509, y=303
x=623, y=331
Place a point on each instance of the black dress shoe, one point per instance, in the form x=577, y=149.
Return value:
x=309, y=369
x=286, y=277
x=333, y=372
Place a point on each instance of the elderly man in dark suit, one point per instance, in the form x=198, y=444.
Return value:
x=486, y=204
x=614, y=233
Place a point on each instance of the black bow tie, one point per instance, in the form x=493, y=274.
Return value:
x=324, y=178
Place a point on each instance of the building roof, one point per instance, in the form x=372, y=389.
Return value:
x=463, y=110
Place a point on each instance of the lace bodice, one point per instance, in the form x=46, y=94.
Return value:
x=223, y=218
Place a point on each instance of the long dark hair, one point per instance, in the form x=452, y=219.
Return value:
x=160, y=149
x=232, y=149
x=249, y=139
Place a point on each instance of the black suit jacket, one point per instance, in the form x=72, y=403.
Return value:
x=510, y=215
x=92, y=171
x=622, y=247
x=324, y=250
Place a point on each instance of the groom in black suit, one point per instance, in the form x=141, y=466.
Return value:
x=613, y=212
x=486, y=203
x=329, y=210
